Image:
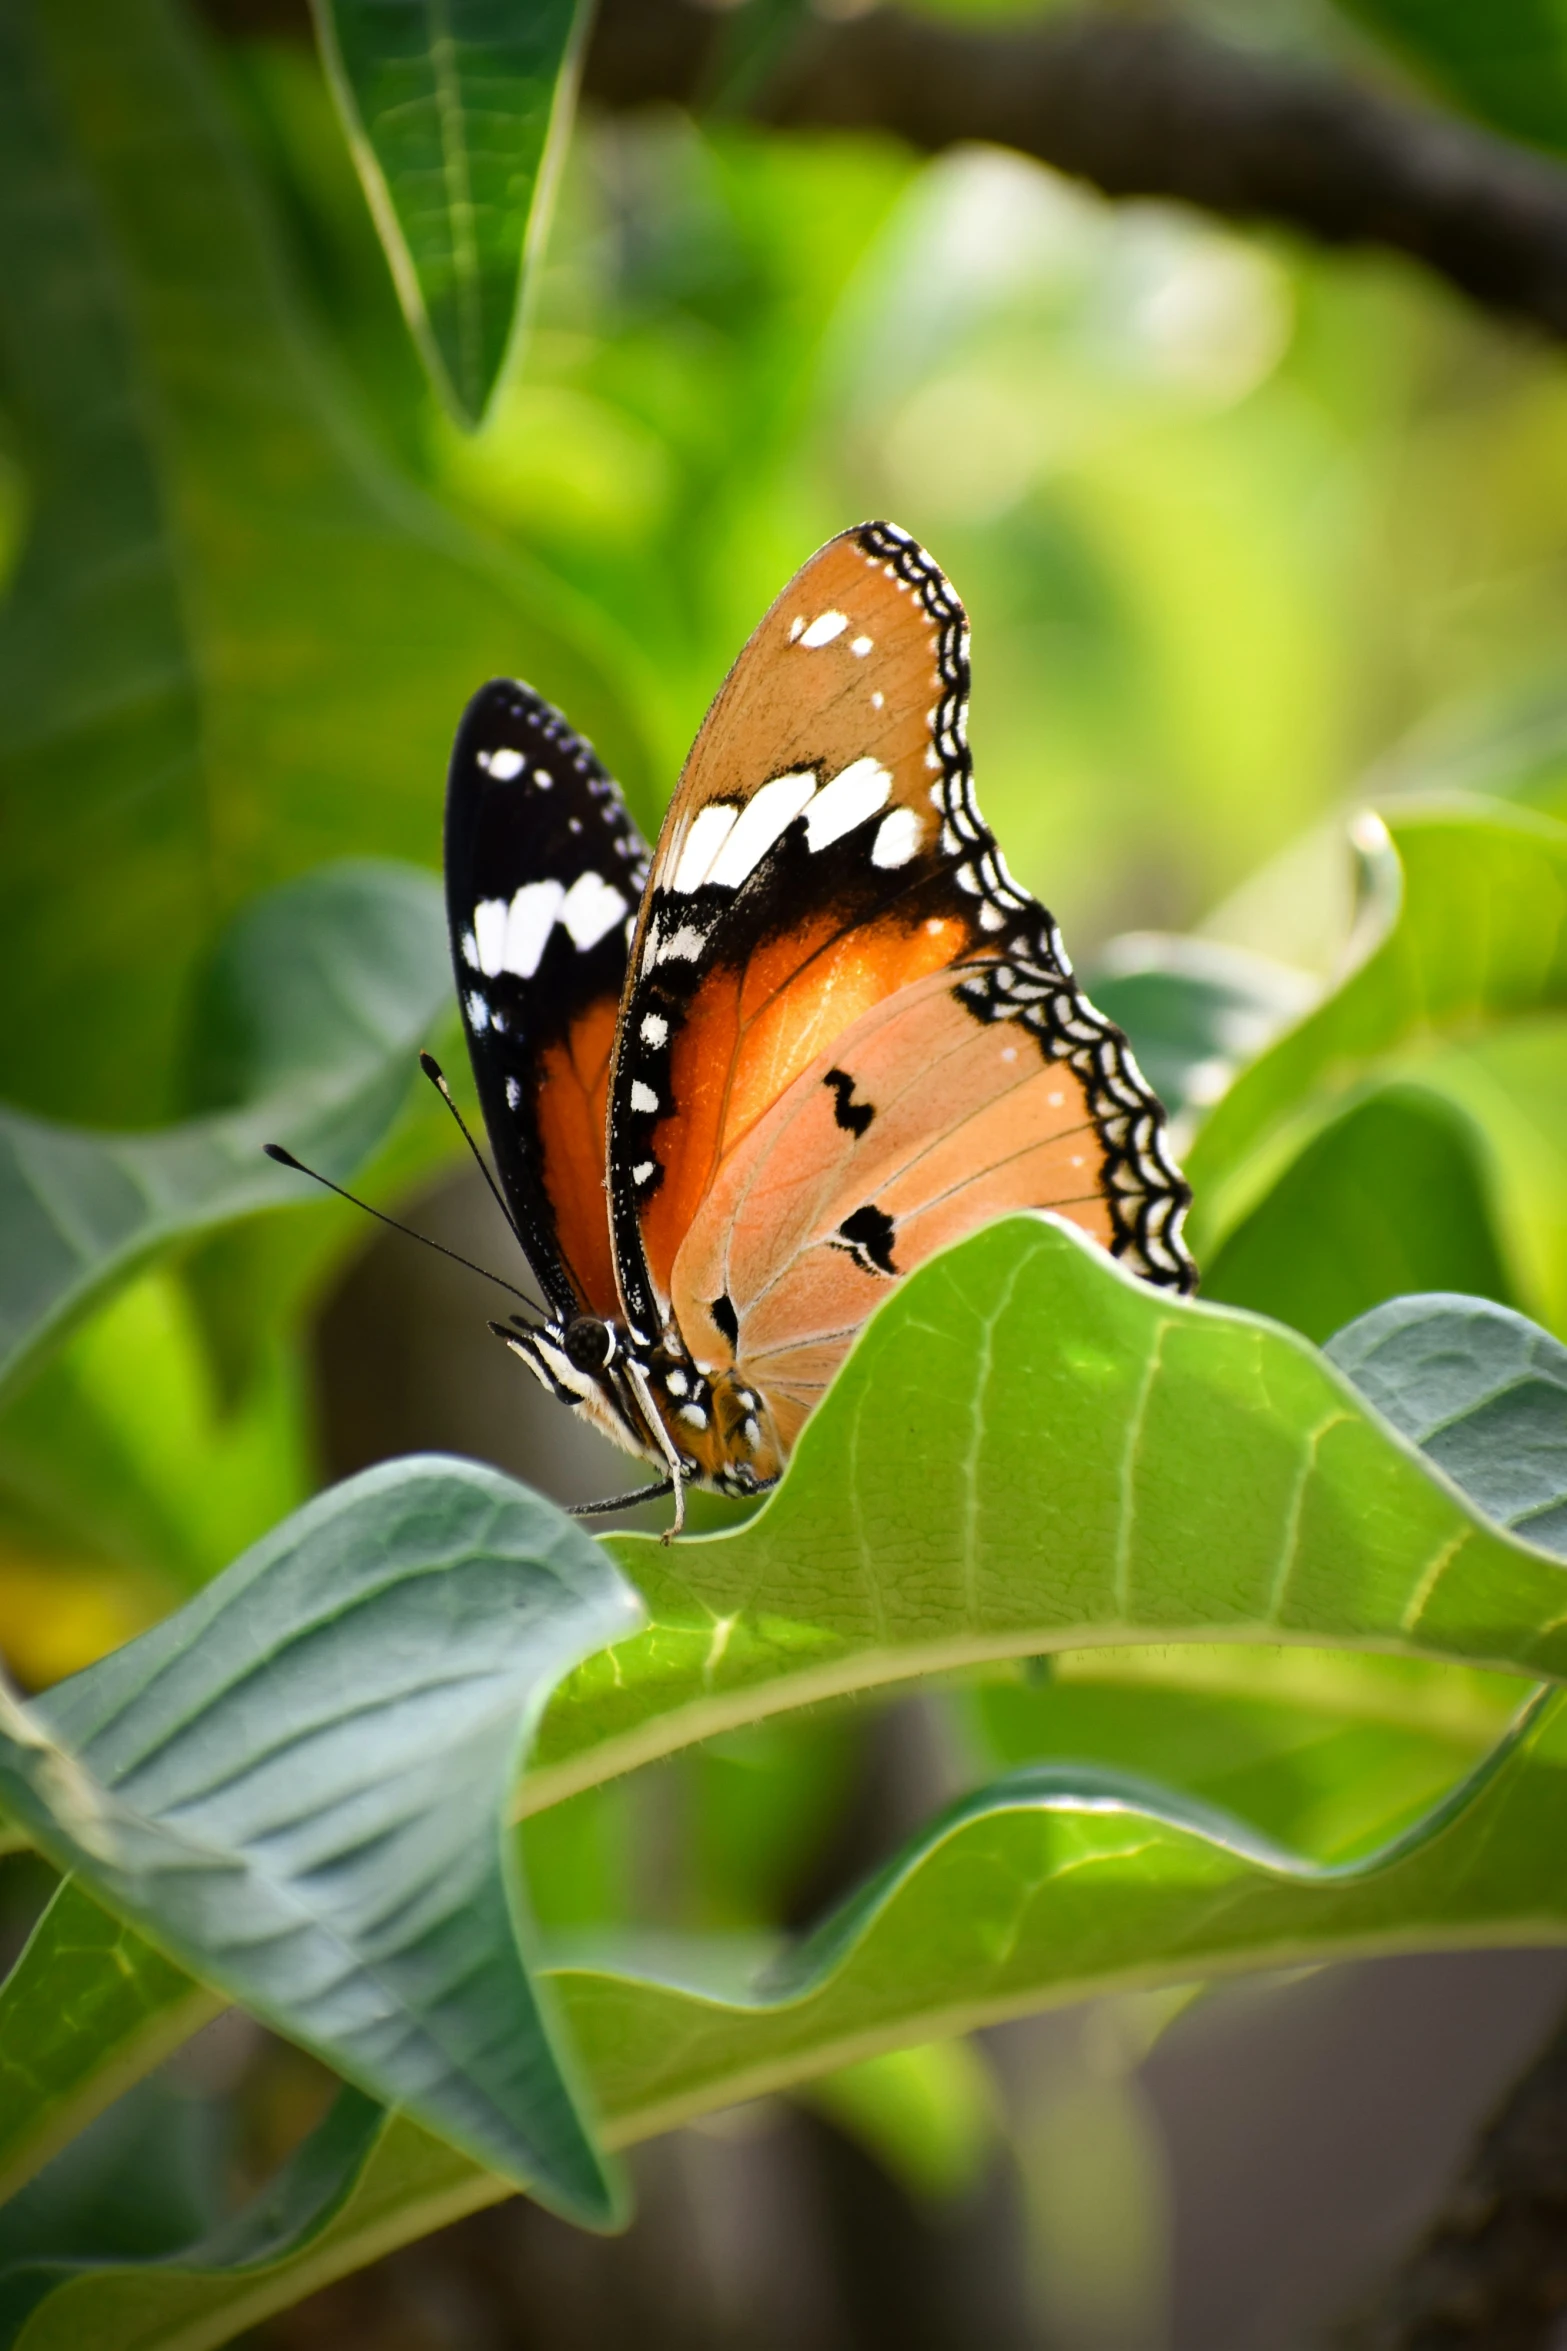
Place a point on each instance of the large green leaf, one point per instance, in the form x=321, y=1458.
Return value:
x=315, y=1006
x=236, y=643
x=457, y=115
x=1479, y=941
x=1092, y=1461
x=1388, y=1198
x=295, y=1787
x=1506, y=61
x=88, y=2007
x=1050, y=1886
x=1480, y=1390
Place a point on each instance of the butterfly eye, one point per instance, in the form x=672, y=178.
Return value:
x=588, y=1343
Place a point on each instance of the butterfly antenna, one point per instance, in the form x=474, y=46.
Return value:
x=437, y=1077
x=287, y=1159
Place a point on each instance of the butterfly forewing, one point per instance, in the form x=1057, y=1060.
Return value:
x=544, y=873
x=824, y=855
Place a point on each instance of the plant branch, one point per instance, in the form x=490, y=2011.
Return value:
x=1148, y=108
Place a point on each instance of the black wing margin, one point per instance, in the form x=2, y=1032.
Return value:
x=544, y=874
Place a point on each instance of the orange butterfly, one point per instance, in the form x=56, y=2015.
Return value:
x=737, y=1091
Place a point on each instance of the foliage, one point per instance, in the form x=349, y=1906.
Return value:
x=1248, y=1641
x=458, y=126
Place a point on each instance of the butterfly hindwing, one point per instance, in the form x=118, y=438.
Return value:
x=823, y=857
x=544, y=874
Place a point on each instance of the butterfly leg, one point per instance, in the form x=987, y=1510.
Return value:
x=644, y=1396
x=621, y=1501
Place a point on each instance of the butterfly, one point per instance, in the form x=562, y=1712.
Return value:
x=737, y=1089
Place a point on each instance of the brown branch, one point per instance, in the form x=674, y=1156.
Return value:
x=1149, y=108
x=1491, y=2273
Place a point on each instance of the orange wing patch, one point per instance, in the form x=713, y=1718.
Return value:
x=751, y=1033
x=572, y=1112
x=918, y=1127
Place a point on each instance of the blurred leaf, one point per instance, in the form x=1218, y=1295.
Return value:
x=1327, y=1781
x=295, y=1784
x=1059, y=1883
x=141, y=2180
x=1509, y=1083
x=123, y=1450
x=931, y=2116
x=1390, y=1197
x=1097, y=1460
x=1480, y=939
x=318, y=1002
x=1194, y=1010
x=1051, y=1886
x=1480, y=1390
x=235, y=643
x=457, y=118
x=186, y=2296
x=1506, y=61
x=753, y=40
x=88, y=2007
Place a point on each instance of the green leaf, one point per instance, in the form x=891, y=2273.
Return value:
x=1388, y=1198
x=457, y=115
x=87, y=2008
x=1097, y=1462
x=1506, y=62
x=1510, y=1084
x=318, y=1001
x=1053, y=1885
x=236, y=643
x=1061, y=1883
x=197, y=2295
x=1478, y=942
x=1194, y=1010
x=295, y=1787
x=1481, y=1391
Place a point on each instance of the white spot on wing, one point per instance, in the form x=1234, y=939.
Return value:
x=795, y=626
x=877, y=699
x=861, y=646
x=590, y=909
x=897, y=837
x=543, y=778
x=655, y=1029
x=854, y=794
x=489, y=934
x=529, y=921
x=765, y=816
x=513, y=1094
x=642, y=1097
x=502, y=764
x=824, y=628
x=710, y=829
x=470, y=951
x=683, y=946
x=478, y=1012
x=642, y=1170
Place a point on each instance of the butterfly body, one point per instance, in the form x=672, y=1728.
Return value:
x=738, y=1089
